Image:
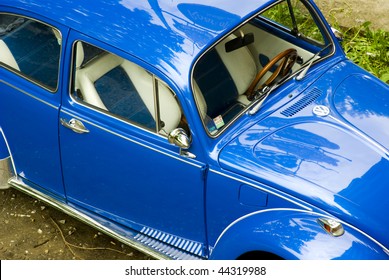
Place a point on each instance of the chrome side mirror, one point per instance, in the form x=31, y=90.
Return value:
x=179, y=138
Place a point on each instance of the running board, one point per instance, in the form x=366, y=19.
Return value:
x=149, y=246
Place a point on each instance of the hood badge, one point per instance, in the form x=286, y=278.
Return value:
x=321, y=110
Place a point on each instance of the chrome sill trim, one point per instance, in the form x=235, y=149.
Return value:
x=21, y=186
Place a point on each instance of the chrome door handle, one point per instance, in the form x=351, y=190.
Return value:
x=75, y=125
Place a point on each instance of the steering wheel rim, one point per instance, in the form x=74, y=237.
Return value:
x=288, y=58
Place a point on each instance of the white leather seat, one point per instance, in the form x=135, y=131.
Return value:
x=240, y=65
x=170, y=112
x=6, y=56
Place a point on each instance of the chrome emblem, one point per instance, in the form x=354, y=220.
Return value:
x=321, y=110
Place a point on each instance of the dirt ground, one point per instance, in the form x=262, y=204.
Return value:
x=31, y=230
x=350, y=13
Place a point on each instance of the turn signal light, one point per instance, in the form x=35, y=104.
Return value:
x=331, y=226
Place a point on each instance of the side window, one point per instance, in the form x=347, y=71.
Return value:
x=30, y=48
x=115, y=85
x=294, y=16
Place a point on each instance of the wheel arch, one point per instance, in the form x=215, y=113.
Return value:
x=292, y=234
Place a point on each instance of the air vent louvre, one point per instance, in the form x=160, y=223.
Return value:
x=302, y=103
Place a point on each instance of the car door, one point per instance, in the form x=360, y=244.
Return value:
x=30, y=52
x=117, y=161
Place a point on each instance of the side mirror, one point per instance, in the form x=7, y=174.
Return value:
x=179, y=138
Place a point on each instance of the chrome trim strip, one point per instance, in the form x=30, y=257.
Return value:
x=178, y=157
x=142, y=247
x=156, y=104
x=302, y=211
x=30, y=95
x=176, y=250
x=386, y=251
x=262, y=189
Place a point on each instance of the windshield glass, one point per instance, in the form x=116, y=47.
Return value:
x=246, y=66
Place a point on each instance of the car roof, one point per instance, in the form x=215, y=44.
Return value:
x=168, y=34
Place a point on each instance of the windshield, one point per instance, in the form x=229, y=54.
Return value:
x=246, y=66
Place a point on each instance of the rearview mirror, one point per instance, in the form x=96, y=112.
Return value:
x=244, y=40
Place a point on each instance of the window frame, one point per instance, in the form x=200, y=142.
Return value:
x=262, y=20
x=156, y=82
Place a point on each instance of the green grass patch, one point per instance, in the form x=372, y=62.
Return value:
x=369, y=49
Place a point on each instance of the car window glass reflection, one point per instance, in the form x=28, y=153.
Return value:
x=113, y=84
x=31, y=48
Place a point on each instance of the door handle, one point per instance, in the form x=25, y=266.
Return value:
x=75, y=125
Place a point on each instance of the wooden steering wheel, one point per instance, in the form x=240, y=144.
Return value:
x=288, y=58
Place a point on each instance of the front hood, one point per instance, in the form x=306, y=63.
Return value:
x=336, y=160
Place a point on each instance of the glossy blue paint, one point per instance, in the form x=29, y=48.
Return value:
x=324, y=160
x=177, y=31
x=258, y=185
x=292, y=234
x=31, y=126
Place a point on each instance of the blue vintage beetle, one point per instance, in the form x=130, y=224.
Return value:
x=196, y=129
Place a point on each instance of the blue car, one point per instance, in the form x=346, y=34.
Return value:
x=196, y=129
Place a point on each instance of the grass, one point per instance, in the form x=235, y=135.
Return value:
x=368, y=48
x=365, y=46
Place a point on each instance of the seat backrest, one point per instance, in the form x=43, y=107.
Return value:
x=240, y=64
x=125, y=89
x=169, y=109
x=88, y=75
x=221, y=78
x=6, y=56
x=36, y=50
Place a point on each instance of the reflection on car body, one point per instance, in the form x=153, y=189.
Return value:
x=198, y=130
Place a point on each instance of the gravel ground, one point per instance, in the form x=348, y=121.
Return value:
x=31, y=230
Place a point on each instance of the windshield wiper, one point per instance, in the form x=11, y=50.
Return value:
x=311, y=61
x=264, y=93
x=261, y=97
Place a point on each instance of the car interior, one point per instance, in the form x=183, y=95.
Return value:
x=116, y=85
x=237, y=70
x=31, y=48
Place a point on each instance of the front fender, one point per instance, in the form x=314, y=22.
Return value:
x=293, y=234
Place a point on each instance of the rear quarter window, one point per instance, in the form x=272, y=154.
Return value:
x=31, y=48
